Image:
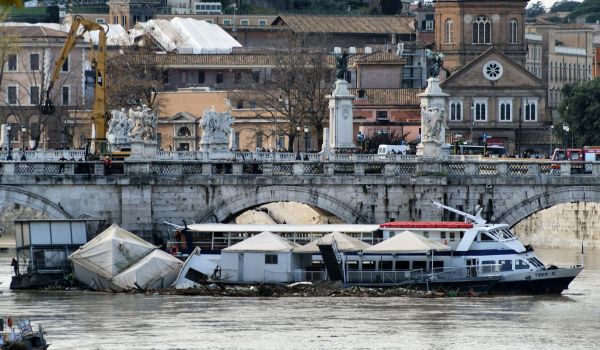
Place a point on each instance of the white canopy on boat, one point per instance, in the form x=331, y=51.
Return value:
x=111, y=252
x=263, y=242
x=156, y=270
x=406, y=242
x=344, y=243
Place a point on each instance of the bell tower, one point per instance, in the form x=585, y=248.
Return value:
x=464, y=29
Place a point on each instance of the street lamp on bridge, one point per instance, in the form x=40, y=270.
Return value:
x=298, y=128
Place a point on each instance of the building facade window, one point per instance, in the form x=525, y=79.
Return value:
x=382, y=116
x=11, y=95
x=480, y=109
x=34, y=61
x=259, y=140
x=482, y=30
x=65, y=95
x=244, y=22
x=201, y=77
x=219, y=78
x=34, y=95
x=256, y=76
x=12, y=62
x=65, y=66
x=262, y=22
x=531, y=109
x=237, y=77
x=226, y=22
x=449, y=31
x=183, y=77
x=505, y=109
x=514, y=32
x=456, y=111
x=124, y=21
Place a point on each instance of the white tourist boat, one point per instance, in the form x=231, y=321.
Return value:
x=483, y=248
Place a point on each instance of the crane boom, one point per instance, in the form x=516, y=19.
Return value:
x=99, y=65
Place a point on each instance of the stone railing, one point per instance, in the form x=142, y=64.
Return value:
x=45, y=155
x=283, y=164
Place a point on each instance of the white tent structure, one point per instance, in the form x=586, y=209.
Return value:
x=158, y=269
x=107, y=255
x=343, y=242
x=265, y=257
x=187, y=36
x=407, y=242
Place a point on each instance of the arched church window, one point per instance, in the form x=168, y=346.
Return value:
x=449, y=31
x=513, y=31
x=184, y=132
x=482, y=30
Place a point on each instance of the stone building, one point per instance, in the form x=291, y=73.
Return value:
x=25, y=79
x=128, y=12
x=493, y=98
x=559, y=54
x=467, y=28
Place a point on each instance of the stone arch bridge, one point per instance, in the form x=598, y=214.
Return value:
x=141, y=195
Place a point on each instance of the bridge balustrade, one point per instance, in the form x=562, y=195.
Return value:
x=285, y=164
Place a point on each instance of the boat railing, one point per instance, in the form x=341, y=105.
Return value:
x=380, y=277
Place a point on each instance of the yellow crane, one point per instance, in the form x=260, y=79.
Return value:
x=99, y=114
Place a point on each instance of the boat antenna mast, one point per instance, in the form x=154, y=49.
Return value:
x=474, y=218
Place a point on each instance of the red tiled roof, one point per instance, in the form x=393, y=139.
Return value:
x=347, y=24
x=387, y=97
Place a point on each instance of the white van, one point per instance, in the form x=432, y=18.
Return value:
x=393, y=149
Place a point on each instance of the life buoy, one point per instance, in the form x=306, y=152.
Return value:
x=174, y=250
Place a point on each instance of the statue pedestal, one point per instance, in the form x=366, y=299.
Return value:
x=142, y=149
x=341, y=128
x=433, y=144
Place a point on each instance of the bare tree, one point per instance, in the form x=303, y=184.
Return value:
x=135, y=74
x=58, y=127
x=295, y=95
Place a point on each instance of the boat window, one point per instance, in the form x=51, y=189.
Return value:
x=501, y=234
x=488, y=262
x=385, y=265
x=402, y=265
x=486, y=237
x=452, y=236
x=538, y=261
x=438, y=266
x=426, y=234
x=368, y=265
x=535, y=262
x=521, y=265
x=352, y=265
x=442, y=235
x=419, y=265
x=505, y=265
x=271, y=259
x=462, y=234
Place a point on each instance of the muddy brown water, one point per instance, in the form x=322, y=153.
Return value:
x=89, y=320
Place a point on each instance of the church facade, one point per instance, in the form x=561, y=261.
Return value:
x=493, y=98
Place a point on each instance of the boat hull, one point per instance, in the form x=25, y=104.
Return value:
x=538, y=282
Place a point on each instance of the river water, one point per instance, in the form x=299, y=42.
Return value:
x=89, y=320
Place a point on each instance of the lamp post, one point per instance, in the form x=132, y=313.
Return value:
x=306, y=142
x=566, y=130
x=298, y=128
x=551, y=140
x=23, y=133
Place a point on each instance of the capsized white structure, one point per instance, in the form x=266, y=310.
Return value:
x=406, y=242
x=192, y=271
x=343, y=242
x=186, y=36
x=158, y=269
x=107, y=255
x=265, y=257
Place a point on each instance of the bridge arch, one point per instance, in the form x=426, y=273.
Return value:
x=11, y=194
x=268, y=194
x=550, y=198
